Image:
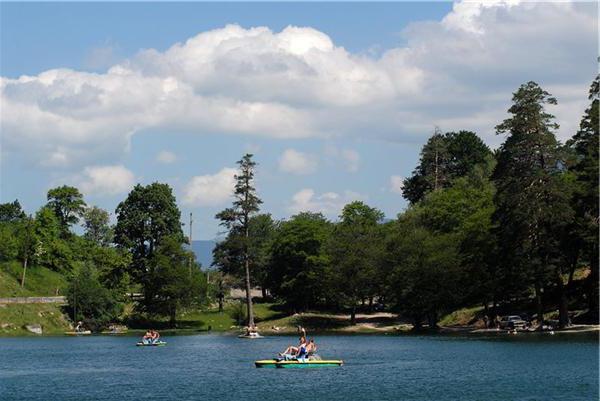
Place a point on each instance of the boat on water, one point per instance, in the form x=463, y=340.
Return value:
x=298, y=364
x=250, y=336
x=78, y=333
x=154, y=344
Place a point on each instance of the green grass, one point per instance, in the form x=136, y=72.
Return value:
x=462, y=316
x=39, y=281
x=13, y=318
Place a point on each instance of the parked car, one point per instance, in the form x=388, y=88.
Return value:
x=512, y=322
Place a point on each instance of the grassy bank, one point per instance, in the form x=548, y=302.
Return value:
x=13, y=319
x=39, y=281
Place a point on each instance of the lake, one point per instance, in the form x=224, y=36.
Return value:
x=220, y=367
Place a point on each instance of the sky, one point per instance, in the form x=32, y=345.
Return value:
x=334, y=100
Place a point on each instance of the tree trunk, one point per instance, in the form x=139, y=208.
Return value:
x=353, y=315
x=173, y=317
x=220, y=304
x=417, y=323
x=249, y=295
x=263, y=290
x=432, y=320
x=563, y=308
x=538, y=304
x=24, y=270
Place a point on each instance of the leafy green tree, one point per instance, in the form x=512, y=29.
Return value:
x=96, y=226
x=147, y=216
x=90, y=301
x=443, y=158
x=11, y=212
x=169, y=284
x=532, y=199
x=236, y=220
x=425, y=276
x=298, y=271
x=68, y=206
x=585, y=146
x=465, y=211
x=54, y=252
x=355, y=253
x=219, y=286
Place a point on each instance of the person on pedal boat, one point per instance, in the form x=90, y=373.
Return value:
x=147, y=337
x=154, y=336
x=292, y=352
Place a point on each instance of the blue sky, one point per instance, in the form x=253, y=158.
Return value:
x=101, y=96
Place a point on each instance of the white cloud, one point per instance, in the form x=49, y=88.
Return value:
x=328, y=203
x=457, y=73
x=105, y=180
x=396, y=184
x=294, y=162
x=166, y=157
x=210, y=190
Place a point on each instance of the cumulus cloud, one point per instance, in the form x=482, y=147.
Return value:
x=166, y=157
x=457, y=73
x=210, y=190
x=396, y=184
x=328, y=203
x=105, y=180
x=294, y=162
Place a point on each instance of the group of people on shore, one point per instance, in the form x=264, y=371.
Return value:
x=305, y=348
x=151, y=337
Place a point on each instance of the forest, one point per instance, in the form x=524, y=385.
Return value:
x=510, y=230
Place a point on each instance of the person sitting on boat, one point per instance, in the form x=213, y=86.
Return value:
x=154, y=336
x=147, y=337
x=311, y=347
x=79, y=328
x=291, y=351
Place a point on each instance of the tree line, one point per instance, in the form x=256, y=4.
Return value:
x=502, y=229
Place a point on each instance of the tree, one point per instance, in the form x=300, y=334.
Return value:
x=532, y=200
x=54, y=252
x=237, y=219
x=228, y=254
x=585, y=146
x=355, y=252
x=444, y=158
x=96, y=226
x=169, y=285
x=28, y=243
x=425, y=275
x=11, y=212
x=68, y=206
x=90, y=301
x=298, y=271
x=148, y=215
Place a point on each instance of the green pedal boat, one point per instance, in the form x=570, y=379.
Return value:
x=294, y=364
x=156, y=344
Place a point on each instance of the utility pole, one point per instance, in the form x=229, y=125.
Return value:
x=190, y=238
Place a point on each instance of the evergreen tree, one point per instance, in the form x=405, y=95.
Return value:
x=532, y=198
x=236, y=220
x=585, y=146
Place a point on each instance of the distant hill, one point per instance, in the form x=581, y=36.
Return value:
x=203, y=250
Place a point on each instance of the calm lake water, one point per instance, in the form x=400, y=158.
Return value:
x=220, y=367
